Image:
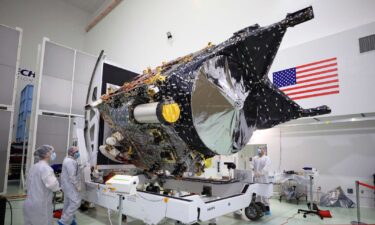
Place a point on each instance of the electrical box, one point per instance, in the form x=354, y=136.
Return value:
x=123, y=184
x=309, y=171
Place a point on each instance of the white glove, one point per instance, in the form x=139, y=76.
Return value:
x=83, y=165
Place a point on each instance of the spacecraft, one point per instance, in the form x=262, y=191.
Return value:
x=207, y=103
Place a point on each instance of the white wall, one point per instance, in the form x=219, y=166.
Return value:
x=134, y=34
x=342, y=152
x=56, y=19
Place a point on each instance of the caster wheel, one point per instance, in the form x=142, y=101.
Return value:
x=261, y=206
x=253, y=212
x=304, y=216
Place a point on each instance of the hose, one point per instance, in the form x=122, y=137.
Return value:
x=289, y=218
x=109, y=216
x=11, y=212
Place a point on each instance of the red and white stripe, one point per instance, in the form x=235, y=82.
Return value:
x=314, y=79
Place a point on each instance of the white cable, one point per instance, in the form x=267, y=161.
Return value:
x=109, y=216
x=108, y=212
x=149, y=199
x=166, y=207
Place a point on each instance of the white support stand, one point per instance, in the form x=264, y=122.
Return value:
x=22, y=176
x=120, y=200
x=10, y=50
x=152, y=208
x=311, y=206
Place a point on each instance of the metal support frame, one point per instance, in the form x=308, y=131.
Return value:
x=311, y=206
x=10, y=108
x=37, y=111
x=35, y=107
x=152, y=208
x=22, y=174
x=120, y=208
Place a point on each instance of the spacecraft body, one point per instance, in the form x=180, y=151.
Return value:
x=200, y=105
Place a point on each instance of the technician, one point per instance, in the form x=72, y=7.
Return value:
x=261, y=164
x=41, y=183
x=71, y=186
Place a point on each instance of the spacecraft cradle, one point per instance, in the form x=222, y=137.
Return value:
x=203, y=104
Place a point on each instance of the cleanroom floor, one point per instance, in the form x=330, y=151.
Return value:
x=281, y=211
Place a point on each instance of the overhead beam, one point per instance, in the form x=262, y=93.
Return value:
x=102, y=13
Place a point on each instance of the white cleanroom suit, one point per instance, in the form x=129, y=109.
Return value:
x=41, y=183
x=261, y=170
x=71, y=185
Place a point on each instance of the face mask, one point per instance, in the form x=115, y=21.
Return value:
x=53, y=156
x=76, y=155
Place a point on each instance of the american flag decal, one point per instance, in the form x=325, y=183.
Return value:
x=309, y=80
